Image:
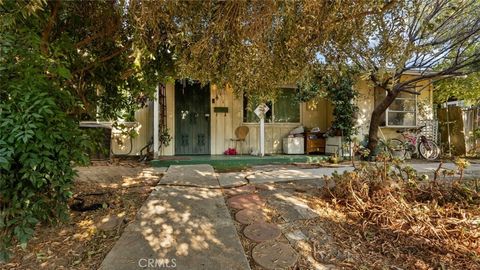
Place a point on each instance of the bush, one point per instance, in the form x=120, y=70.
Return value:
x=37, y=146
x=38, y=141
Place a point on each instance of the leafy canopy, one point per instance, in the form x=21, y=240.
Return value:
x=460, y=88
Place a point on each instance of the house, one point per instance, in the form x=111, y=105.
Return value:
x=201, y=119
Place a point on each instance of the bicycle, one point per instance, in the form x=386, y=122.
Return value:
x=414, y=142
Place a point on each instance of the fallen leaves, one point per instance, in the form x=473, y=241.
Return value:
x=79, y=243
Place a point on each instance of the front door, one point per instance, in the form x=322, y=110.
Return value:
x=192, y=118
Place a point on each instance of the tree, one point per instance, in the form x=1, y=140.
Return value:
x=61, y=62
x=436, y=39
x=252, y=45
x=460, y=88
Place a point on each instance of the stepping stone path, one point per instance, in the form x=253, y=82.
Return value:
x=269, y=253
x=262, y=231
x=249, y=216
x=274, y=255
x=246, y=201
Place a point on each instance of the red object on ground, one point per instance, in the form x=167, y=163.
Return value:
x=230, y=151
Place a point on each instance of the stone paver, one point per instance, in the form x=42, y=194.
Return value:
x=249, y=216
x=274, y=255
x=201, y=175
x=262, y=231
x=294, y=174
x=245, y=201
x=239, y=190
x=189, y=227
x=290, y=207
x=232, y=179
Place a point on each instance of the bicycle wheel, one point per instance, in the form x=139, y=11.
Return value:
x=428, y=150
x=396, y=148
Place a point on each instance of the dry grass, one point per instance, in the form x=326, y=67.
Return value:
x=369, y=219
x=407, y=224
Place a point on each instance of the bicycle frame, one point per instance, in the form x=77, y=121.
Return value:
x=412, y=140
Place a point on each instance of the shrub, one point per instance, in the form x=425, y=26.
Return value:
x=38, y=141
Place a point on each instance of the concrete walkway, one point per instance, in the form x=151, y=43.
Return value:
x=181, y=227
x=429, y=167
x=185, y=224
x=277, y=175
x=295, y=174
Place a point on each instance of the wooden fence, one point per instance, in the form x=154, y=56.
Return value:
x=457, y=126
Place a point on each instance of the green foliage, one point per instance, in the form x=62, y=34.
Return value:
x=165, y=138
x=343, y=95
x=340, y=91
x=61, y=62
x=467, y=89
x=39, y=141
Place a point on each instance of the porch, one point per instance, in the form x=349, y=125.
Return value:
x=225, y=162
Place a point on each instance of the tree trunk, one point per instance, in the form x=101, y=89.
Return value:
x=376, y=119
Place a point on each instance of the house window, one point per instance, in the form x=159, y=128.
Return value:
x=285, y=109
x=402, y=112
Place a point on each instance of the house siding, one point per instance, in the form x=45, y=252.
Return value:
x=366, y=104
x=223, y=125
x=121, y=143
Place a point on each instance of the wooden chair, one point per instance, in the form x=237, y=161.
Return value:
x=241, y=133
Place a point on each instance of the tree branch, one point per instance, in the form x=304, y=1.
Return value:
x=101, y=60
x=413, y=92
x=48, y=28
x=385, y=7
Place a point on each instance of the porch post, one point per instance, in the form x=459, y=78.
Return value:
x=260, y=111
x=156, y=111
x=262, y=136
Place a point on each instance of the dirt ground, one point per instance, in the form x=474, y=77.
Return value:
x=84, y=240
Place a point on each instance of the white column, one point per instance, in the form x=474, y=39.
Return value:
x=156, y=114
x=262, y=135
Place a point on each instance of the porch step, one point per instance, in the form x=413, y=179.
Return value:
x=182, y=226
x=236, y=161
